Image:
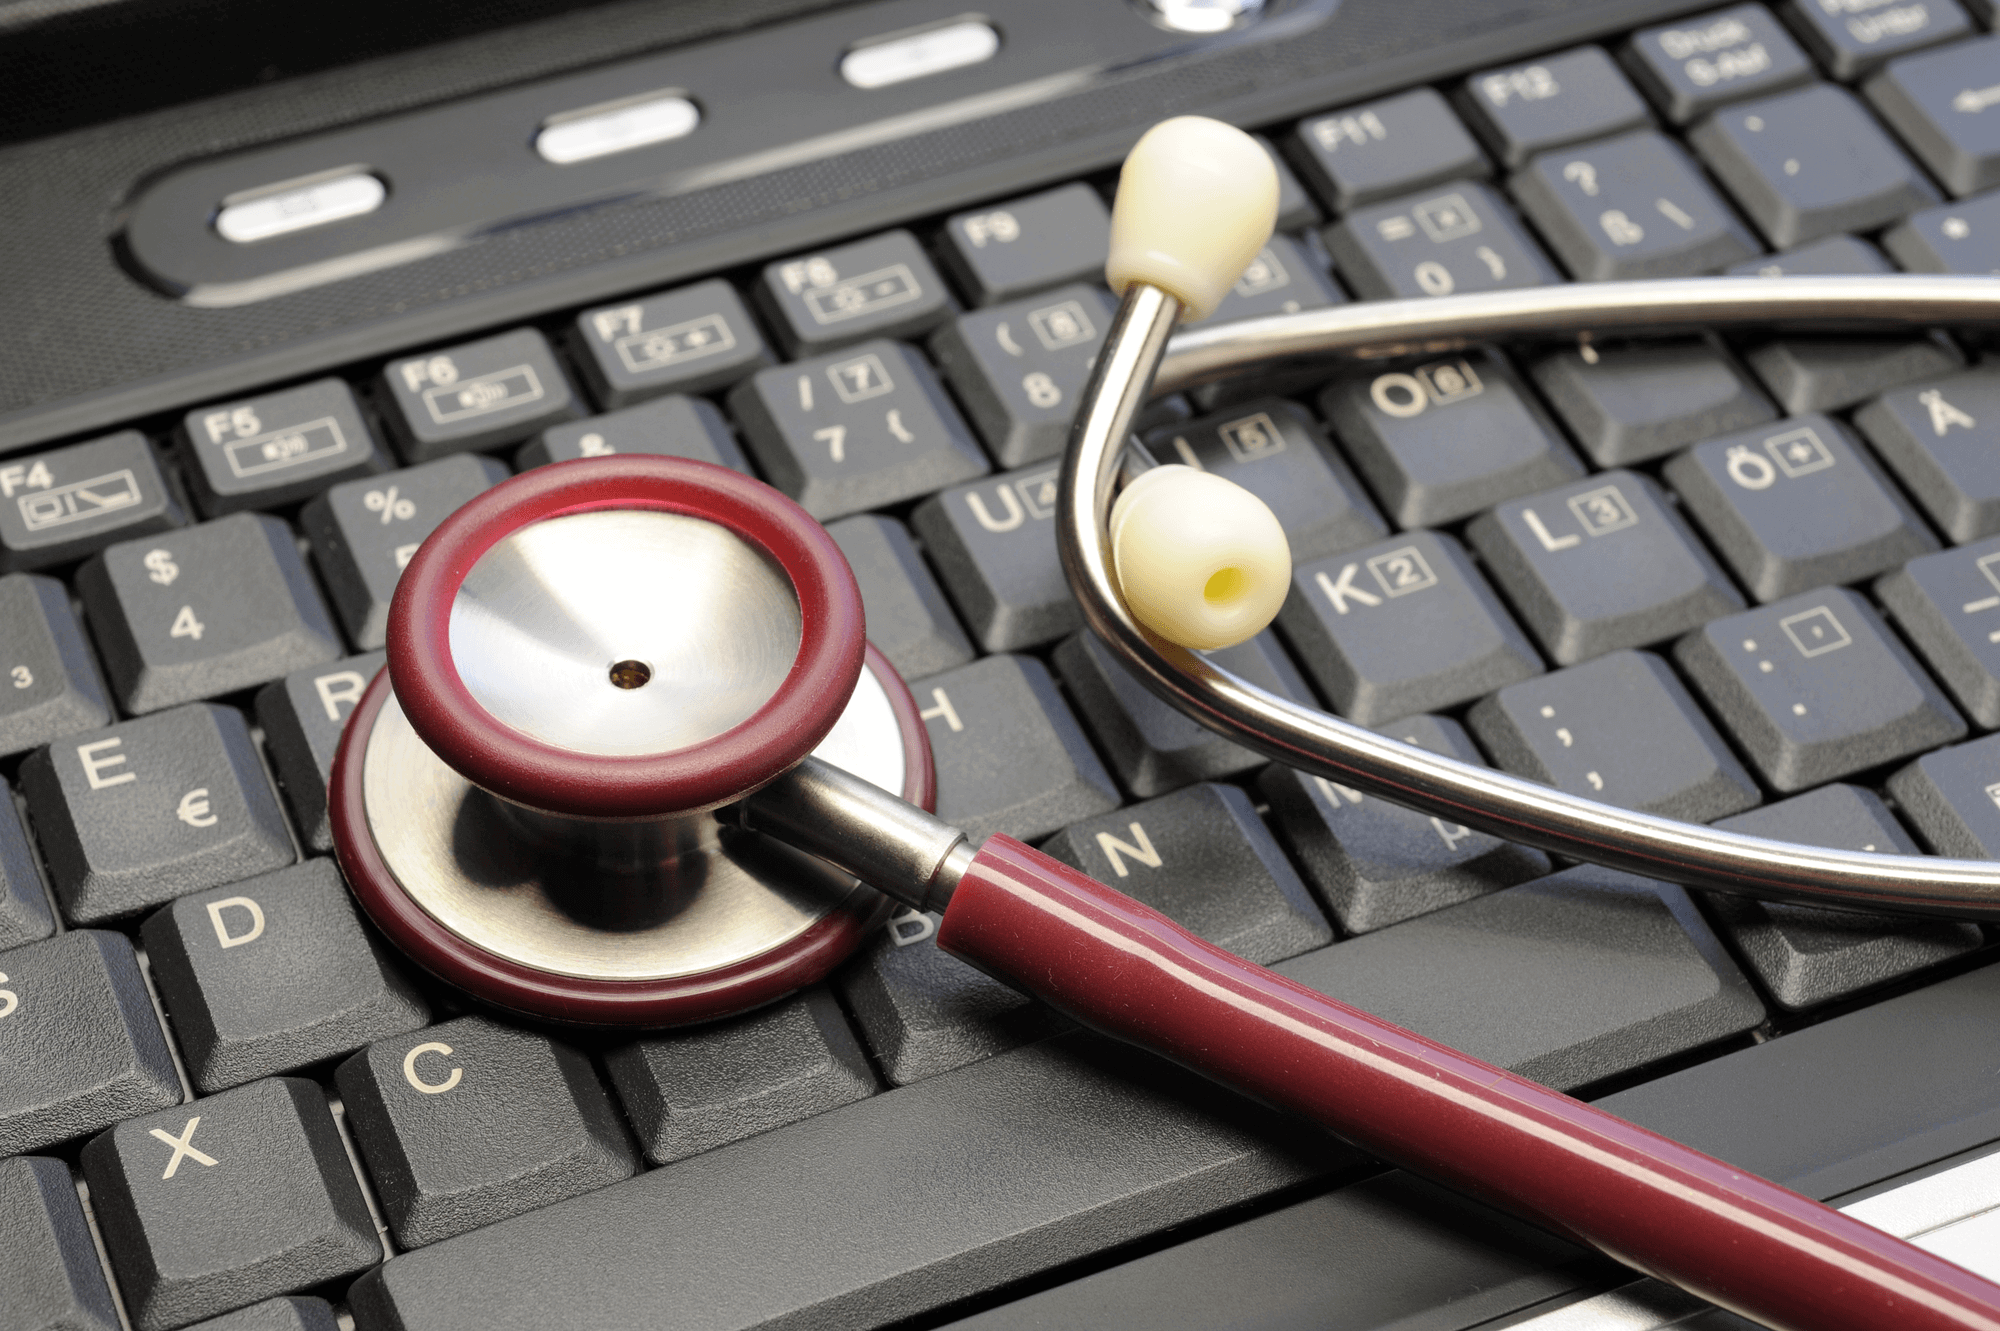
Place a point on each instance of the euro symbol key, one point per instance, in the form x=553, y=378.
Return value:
x=194, y=809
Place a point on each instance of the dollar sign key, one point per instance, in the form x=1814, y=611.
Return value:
x=160, y=566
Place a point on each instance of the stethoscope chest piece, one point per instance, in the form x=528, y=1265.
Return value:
x=584, y=664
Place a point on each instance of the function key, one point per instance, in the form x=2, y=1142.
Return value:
x=1796, y=504
x=1632, y=403
x=880, y=287
x=475, y=396
x=220, y=607
x=1381, y=149
x=1631, y=207
x=1959, y=237
x=49, y=684
x=1025, y=245
x=60, y=506
x=1809, y=163
x=676, y=426
x=302, y=715
x=364, y=532
x=1851, y=37
x=1946, y=105
x=1691, y=68
x=1433, y=244
x=1942, y=439
x=1296, y=210
x=140, y=813
x=1018, y=368
x=856, y=430
x=277, y=448
x=1948, y=604
x=687, y=341
x=1566, y=98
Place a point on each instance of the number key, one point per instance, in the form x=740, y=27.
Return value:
x=277, y=448
x=49, y=684
x=1631, y=207
x=1019, y=367
x=474, y=396
x=693, y=340
x=1027, y=244
x=1455, y=237
x=62, y=505
x=856, y=430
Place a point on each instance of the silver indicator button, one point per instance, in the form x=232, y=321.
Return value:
x=616, y=127
x=1203, y=16
x=919, y=55
x=296, y=205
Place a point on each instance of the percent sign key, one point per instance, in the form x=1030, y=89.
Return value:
x=387, y=503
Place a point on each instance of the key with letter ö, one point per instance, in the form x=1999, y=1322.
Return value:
x=226, y=1201
x=218, y=608
x=62, y=505
x=302, y=715
x=476, y=395
x=272, y=974
x=472, y=1121
x=148, y=810
x=49, y=684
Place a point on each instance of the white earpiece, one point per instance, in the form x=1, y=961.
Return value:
x=1196, y=201
x=1201, y=560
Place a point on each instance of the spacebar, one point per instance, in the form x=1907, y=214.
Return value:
x=899, y=1204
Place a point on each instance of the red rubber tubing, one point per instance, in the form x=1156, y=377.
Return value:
x=1759, y=1250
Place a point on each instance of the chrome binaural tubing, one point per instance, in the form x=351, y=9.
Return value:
x=1491, y=801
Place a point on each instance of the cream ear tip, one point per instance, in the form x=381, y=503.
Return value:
x=1196, y=201
x=1202, y=561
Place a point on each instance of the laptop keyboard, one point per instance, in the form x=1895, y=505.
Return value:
x=1753, y=582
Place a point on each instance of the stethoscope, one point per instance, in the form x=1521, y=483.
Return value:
x=631, y=763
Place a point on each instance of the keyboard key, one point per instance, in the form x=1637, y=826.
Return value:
x=1642, y=977
x=1400, y=627
x=290, y=1313
x=59, y=506
x=1949, y=797
x=52, y=1280
x=1273, y=449
x=1809, y=374
x=80, y=1040
x=216, y=608
x=692, y=340
x=273, y=974
x=1602, y=563
x=1942, y=439
x=1815, y=688
x=923, y=1012
x=1203, y=858
x=1962, y=237
x=1630, y=207
x=24, y=908
x=1852, y=38
x=364, y=532
x=868, y=427
x=1009, y=755
x=1296, y=210
x=1459, y=238
x=1026, y=245
x=1635, y=402
x=1565, y=98
x=276, y=448
x=203, y=1212
x=148, y=810
x=1282, y=279
x=1795, y=505
x=477, y=395
x=302, y=716
x=1808, y=955
x=1380, y=149
x=690, y=1091
x=1620, y=729
x=1833, y=256
x=994, y=544
x=1810, y=163
x=1019, y=368
x=908, y=616
x=1692, y=67
x=1406, y=431
x=879, y=287
x=674, y=426
x=1942, y=105
x=49, y=684
x=1375, y=863
x=1945, y=605
x=544, y=1126
x=1152, y=745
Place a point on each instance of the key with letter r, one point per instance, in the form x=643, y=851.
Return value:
x=302, y=715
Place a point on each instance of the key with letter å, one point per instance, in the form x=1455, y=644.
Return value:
x=1458, y=236
x=693, y=340
x=1024, y=245
x=272, y=974
x=544, y=1127
x=49, y=684
x=226, y=1201
x=879, y=287
x=277, y=448
x=62, y=505
x=302, y=715
x=1378, y=149
x=1630, y=207
x=51, y=1280
x=217, y=608
x=145, y=811
x=1949, y=606
x=476, y=395
x=80, y=1041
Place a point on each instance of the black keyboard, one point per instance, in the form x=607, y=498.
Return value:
x=1749, y=582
